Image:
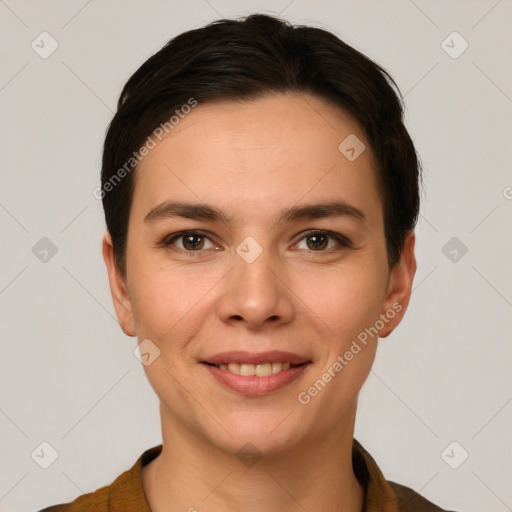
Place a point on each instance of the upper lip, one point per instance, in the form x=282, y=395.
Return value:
x=242, y=357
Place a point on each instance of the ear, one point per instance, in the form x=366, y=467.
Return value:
x=118, y=289
x=399, y=287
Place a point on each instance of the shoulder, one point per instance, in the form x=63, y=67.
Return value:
x=124, y=494
x=411, y=501
x=382, y=494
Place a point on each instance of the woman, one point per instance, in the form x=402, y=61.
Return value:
x=260, y=193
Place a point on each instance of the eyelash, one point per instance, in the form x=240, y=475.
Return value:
x=343, y=241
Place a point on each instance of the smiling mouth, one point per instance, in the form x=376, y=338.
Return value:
x=256, y=370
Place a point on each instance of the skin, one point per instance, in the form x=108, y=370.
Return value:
x=251, y=160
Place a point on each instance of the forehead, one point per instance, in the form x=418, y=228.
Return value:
x=248, y=156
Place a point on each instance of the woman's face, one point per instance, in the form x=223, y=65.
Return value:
x=255, y=279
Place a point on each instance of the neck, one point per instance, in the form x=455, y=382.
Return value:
x=192, y=475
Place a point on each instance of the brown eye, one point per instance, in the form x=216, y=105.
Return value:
x=315, y=242
x=188, y=241
x=322, y=241
x=192, y=242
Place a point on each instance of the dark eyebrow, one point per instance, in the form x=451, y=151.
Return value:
x=197, y=211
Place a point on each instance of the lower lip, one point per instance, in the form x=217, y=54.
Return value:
x=256, y=386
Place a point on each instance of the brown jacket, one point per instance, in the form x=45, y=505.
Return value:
x=126, y=494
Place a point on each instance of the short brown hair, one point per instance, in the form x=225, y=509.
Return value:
x=245, y=59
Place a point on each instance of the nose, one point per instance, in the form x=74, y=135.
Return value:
x=256, y=294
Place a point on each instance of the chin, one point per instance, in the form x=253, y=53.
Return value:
x=266, y=432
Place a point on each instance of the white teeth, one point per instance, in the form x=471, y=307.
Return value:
x=234, y=368
x=247, y=370
x=258, y=370
x=263, y=370
x=276, y=367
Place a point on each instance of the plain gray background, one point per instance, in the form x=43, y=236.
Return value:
x=69, y=376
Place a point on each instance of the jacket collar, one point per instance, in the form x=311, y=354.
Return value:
x=379, y=495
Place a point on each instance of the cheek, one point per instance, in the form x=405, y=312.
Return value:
x=348, y=303
x=166, y=300
x=347, y=300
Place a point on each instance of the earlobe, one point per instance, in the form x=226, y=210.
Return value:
x=118, y=289
x=399, y=287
